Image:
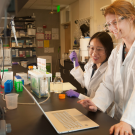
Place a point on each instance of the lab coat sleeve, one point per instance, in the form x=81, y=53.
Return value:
x=129, y=113
x=81, y=96
x=78, y=75
x=104, y=95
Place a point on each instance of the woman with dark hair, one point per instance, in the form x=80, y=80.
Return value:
x=118, y=85
x=100, y=47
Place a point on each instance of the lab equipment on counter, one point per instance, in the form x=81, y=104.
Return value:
x=18, y=81
x=30, y=68
x=23, y=76
x=84, y=54
x=11, y=100
x=8, y=75
x=40, y=82
x=58, y=83
x=41, y=63
x=48, y=62
x=7, y=57
x=8, y=86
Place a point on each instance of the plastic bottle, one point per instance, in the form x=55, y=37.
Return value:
x=75, y=42
x=30, y=68
x=58, y=83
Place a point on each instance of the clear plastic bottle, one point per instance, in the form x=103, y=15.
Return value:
x=58, y=83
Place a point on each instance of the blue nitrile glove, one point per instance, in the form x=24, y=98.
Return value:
x=72, y=93
x=73, y=56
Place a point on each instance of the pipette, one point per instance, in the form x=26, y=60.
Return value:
x=13, y=30
x=74, y=62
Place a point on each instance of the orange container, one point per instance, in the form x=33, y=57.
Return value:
x=62, y=96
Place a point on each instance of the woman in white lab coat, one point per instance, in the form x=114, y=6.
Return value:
x=119, y=81
x=102, y=44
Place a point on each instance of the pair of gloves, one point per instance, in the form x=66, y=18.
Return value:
x=72, y=93
x=73, y=57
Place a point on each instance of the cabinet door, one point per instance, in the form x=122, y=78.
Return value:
x=62, y=73
x=66, y=75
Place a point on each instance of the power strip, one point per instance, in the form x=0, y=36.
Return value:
x=4, y=128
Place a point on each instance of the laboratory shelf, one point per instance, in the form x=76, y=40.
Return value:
x=6, y=37
x=20, y=28
x=26, y=37
x=24, y=20
x=23, y=48
x=24, y=57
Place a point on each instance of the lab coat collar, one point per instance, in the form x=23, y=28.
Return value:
x=120, y=48
x=102, y=68
x=89, y=64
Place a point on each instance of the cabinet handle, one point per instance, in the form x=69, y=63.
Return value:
x=63, y=71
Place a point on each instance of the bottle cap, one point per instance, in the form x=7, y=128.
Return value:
x=30, y=67
x=58, y=74
x=62, y=96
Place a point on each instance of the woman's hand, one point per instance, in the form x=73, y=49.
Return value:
x=88, y=104
x=121, y=128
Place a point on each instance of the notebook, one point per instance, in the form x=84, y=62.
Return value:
x=67, y=120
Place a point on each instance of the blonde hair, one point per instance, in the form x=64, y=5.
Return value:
x=122, y=8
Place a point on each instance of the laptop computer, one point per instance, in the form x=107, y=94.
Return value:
x=67, y=120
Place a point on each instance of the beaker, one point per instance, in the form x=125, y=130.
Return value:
x=11, y=100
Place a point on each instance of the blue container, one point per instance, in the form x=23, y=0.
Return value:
x=22, y=81
x=8, y=86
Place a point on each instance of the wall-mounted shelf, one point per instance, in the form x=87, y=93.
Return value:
x=25, y=37
x=24, y=57
x=24, y=20
x=23, y=48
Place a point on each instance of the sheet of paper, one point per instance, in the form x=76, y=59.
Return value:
x=51, y=50
x=66, y=86
x=40, y=43
x=46, y=43
x=55, y=30
x=46, y=50
x=48, y=35
x=40, y=29
x=55, y=36
x=39, y=36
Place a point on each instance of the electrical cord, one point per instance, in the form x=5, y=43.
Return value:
x=31, y=96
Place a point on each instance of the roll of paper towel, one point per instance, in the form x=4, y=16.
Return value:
x=84, y=42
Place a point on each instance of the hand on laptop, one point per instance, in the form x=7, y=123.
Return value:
x=88, y=104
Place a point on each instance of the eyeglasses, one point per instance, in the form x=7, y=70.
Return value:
x=98, y=50
x=114, y=22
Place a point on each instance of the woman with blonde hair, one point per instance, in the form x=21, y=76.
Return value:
x=119, y=81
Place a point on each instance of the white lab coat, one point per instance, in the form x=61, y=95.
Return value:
x=84, y=78
x=119, y=86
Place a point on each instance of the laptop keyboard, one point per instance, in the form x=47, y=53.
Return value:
x=67, y=120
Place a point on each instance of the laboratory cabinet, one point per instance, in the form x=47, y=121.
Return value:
x=67, y=77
